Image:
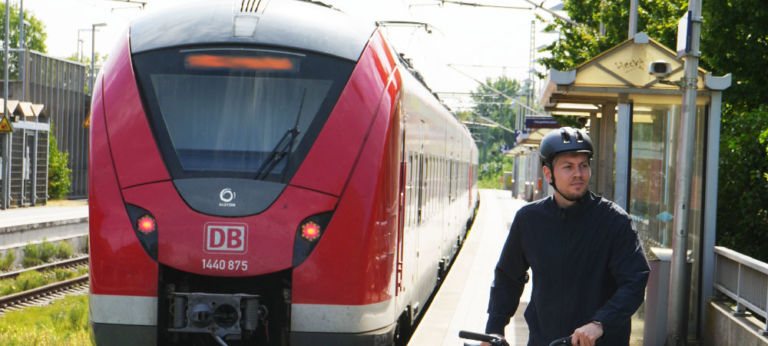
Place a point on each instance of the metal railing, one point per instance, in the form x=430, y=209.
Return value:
x=743, y=279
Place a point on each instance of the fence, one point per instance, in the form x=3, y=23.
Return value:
x=743, y=279
x=60, y=85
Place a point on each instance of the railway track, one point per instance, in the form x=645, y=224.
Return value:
x=45, y=294
x=69, y=263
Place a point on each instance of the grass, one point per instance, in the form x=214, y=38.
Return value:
x=33, y=279
x=7, y=261
x=63, y=323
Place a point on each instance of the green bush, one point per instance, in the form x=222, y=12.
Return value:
x=59, y=180
x=29, y=280
x=7, y=287
x=64, y=250
x=46, y=250
x=31, y=256
x=7, y=261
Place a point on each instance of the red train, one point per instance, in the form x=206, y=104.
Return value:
x=268, y=174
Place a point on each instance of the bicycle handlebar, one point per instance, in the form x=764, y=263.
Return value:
x=497, y=341
x=493, y=340
x=565, y=341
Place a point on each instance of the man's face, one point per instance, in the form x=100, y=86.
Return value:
x=572, y=173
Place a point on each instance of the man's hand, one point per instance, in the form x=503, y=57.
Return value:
x=488, y=343
x=587, y=334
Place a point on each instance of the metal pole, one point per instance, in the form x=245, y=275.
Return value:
x=21, y=24
x=677, y=311
x=79, y=48
x=22, y=58
x=93, y=56
x=93, y=53
x=632, y=18
x=7, y=136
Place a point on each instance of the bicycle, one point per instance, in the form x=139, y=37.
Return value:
x=497, y=341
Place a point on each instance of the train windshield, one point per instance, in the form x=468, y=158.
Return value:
x=238, y=112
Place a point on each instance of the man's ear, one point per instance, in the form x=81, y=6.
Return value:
x=547, y=173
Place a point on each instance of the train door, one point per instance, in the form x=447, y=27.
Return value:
x=408, y=237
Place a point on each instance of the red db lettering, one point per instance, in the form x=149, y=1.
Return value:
x=215, y=238
x=234, y=238
x=230, y=238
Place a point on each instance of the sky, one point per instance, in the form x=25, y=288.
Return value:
x=482, y=42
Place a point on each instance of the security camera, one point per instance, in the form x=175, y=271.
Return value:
x=660, y=68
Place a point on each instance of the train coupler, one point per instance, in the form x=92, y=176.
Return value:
x=224, y=316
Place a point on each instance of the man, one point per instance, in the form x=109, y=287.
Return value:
x=589, y=268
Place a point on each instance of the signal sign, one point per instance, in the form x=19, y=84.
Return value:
x=5, y=125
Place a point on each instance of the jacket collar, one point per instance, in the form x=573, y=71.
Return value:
x=576, y=211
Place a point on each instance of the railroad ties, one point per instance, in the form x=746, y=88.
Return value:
x=43, y=295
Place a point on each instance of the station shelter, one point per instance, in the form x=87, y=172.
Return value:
x=526, y=181
x=24, y=131
x=633, y=117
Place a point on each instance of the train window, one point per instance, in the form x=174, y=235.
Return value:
x=219, y=111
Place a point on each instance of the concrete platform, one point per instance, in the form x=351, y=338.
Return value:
x=462, y=300
x=20, y=226
x=30, y=217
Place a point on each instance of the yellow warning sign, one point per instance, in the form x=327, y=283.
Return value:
x=5, y=125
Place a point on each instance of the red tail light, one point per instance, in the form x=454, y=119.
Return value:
x=146, y=224
x=310, y=231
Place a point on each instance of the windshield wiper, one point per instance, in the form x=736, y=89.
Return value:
x=283, y=147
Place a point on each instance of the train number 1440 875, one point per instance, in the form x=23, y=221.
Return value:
x=227, y=265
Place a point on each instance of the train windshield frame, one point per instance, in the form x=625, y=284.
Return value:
x=237, y=112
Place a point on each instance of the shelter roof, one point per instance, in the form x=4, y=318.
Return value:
x=620, y=72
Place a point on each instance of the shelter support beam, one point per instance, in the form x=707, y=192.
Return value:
x=623, y=153
x=605, y=159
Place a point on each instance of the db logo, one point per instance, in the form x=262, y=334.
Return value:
x=226, y=238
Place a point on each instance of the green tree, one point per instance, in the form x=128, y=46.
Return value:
x=490, y=105
x=34, y=35
x=742, y=211
x=579, y=43
x=734, y=39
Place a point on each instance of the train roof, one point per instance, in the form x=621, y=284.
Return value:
x=304, y=25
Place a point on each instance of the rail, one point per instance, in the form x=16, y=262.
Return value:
x=40, y=295
x=67, y=263
x=743, y=279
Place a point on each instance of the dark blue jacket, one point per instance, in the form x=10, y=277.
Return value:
x=587, y=263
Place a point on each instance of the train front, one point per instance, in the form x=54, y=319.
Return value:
x=225, y=140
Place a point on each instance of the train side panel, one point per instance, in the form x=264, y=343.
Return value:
x=122, y=302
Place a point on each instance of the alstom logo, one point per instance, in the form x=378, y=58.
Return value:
x=229, y=238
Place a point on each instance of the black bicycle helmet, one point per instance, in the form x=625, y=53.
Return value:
x=565, y=139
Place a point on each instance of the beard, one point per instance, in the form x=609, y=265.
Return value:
x=573, y=194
